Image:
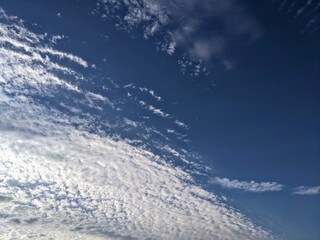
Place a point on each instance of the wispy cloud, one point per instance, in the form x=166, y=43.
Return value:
x=131, y=123
x=181, y=124
x=306, y=13
x=27, y=71
x=144, y=89
x=305, y=190
x=251, y=186
x=156, y=111
x=176, y=24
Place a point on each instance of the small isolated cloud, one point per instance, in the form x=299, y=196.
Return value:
x=227, y=64
x=154, y=110
x=158, y=112
x=150, y=91
x=305, y=190
x=181, y=124
x=251, y=186
x=130, y=122
x=57, y=38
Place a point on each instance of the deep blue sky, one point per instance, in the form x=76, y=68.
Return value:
x=258, y=121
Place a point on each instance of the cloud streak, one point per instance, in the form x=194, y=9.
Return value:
x=305, y=190
x=251, y=186
x=305, y=13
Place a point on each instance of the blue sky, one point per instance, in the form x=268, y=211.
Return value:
x=221, y=97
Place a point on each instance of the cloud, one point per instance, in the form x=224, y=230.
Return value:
x=181, y=124
x=154, y=110
x=183, y=25
x=251, y=186
x=72, y=179
x=131, y=123
x=305, y=14
x=63, y=177
x=158, y=112
x=56, y=38
x=205, y=49
x=153, y=94
x=304, y=190
x=228, y=65
x=144, y=89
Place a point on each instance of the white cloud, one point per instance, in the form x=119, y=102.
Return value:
x=144, y=89
x=154, y=110
x=57, y=38
x=153, y=94
x=306, y=190
x=72, y=179
x=95, y=100
x=171, y=48
x=130, y=85
x=150, y=91
x=62, y=178
x=251, y=186
x=130, y=122
x=181, y=124
x=132, y=91
x=204, y=49
x=158, y=111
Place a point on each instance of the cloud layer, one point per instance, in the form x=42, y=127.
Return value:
x=62, y=177
x=85, y=183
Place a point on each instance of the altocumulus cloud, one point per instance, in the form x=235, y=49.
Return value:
x=251, y=186
x=61, y=180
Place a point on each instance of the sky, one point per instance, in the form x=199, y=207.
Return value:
x=156, y=119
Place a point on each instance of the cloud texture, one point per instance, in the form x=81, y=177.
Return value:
x=61, y=177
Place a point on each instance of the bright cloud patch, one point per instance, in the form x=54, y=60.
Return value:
x=85, y=183
x=251, y=186
x=62, y=177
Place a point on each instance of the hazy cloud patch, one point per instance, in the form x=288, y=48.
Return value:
x=180, y=24
x=306, y=190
